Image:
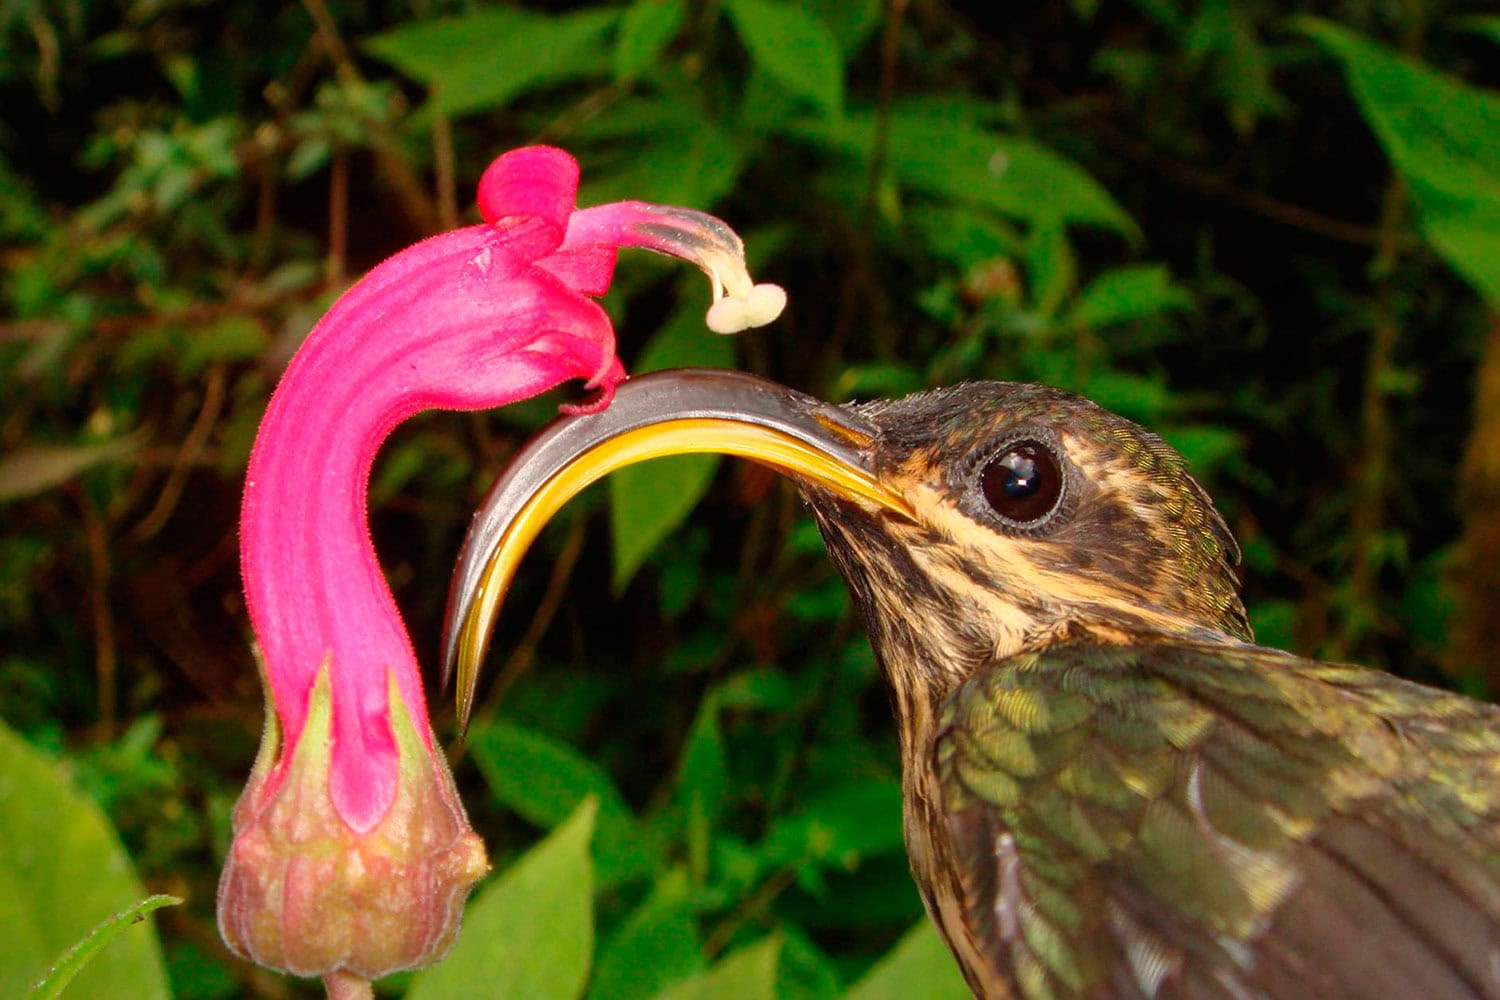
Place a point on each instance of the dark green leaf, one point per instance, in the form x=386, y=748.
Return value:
x=656, y=945
x=748, y=974
x=647, y=28
x=1127, y=293
x=952, y=158
x=485, y=58
x=1444, y=136
x=546, y=780
x=794, y=47
x=842, y=828
x=530, y=932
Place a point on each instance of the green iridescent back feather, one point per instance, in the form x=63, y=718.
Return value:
x=1143, y=821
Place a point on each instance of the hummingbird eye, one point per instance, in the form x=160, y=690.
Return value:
x=1023, y=483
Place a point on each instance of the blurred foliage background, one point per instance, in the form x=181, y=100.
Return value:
x=1268, y=229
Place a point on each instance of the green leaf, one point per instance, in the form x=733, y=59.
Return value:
x=529, y=933
x=647, y=502
x=794, y=48
x=62, y=872
x=851, y=22
x=919, y=967
x=1487, y=26
x=545, y=780
x=1127, y=293
x=646, y=30
x=28, y=471
x=657, y=944
x=748, y=974
x=940, y=153
x=1443, y=137
x=76, y=957
x=702, y=783
x=1050, y=265
x=485, y=58
x=231, y=338
x=692, y=162
x=856, y=821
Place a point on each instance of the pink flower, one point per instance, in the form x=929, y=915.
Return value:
x=351, y=851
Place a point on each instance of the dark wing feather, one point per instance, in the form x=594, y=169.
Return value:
x=1214, y=821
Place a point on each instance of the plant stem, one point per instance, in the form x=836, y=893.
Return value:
x=343, y=985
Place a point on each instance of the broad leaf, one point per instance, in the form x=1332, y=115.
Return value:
x=748, y=974
x=648, y=501
x=946, y=153
x=842, y=828
x=1444, y=138
x=919, y=967
x=647, y=28
x=794, y=48
x=529, y=933
x=1125, y=294
x=656, y=945
x=545, y=780
x=485, y=58
x=62, y=872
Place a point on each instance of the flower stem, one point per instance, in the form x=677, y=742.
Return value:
x=343, y=985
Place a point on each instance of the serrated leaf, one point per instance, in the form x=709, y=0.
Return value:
x=794, y=48
x=63, y=871
x=485, y=58
x=1127, y=293
x=530, y=932
x=1444, y=138
x=28, y=471
x=748, y=974
x=647, y=502
x=545, y=780
x=646, y=30
x=919, y=967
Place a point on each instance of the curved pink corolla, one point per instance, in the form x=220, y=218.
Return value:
x=349, y=792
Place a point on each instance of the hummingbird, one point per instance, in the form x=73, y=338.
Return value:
x=1109, y=790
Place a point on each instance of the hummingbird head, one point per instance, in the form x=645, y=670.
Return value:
x=1036, y=516
x=970, y=523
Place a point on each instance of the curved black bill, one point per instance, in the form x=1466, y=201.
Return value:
x=665, y=413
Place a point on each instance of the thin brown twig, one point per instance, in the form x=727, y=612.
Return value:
x=409, y=192
x=719, y=938
x=1214, y=185
x=443, y=170
x=338, y=217
x=183, y=463
x=106, y=657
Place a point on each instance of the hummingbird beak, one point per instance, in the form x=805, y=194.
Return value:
x=665, y=413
